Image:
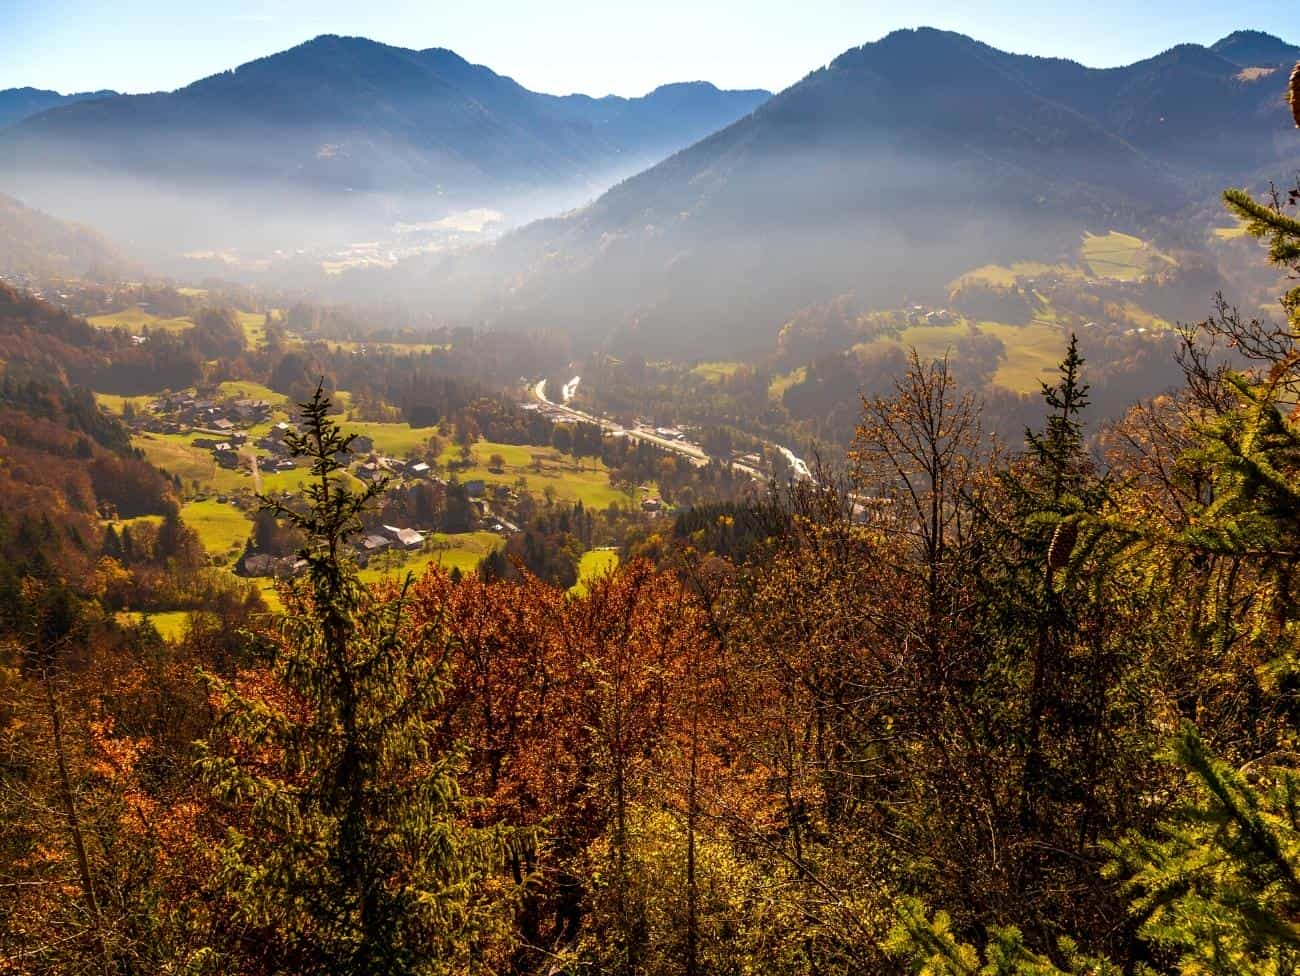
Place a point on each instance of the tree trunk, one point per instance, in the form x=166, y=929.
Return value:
x=69, y=804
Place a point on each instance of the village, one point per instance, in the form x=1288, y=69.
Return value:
x=242, y=434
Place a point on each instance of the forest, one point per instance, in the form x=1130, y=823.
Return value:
x=965, y=703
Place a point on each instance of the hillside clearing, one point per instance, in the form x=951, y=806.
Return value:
x=595, y=563
x=538, y=468
x=1121, y=256
x=715, y=372
x=463, y=551
x=136, y=320
x=1033, y=352
x=222, y=528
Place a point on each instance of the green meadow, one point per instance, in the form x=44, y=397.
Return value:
x=222, y=528
x=1033, y=352
x=113, y=403
x=462, y=551
x=1122, y=256
x=135, y=319
x=595, y=564
x=715, y=372
x=254, y=326
x=170, y=624
x=248, y=390
x=1005, y=276
x=776, y=389
x=396, y=440
x=542, y=467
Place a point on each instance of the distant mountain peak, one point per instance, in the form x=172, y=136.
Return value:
x=685, y=86
x=1252, y=48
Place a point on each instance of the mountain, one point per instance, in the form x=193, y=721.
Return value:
x=887, y=173
x=1253, y=49
x=1192, y=107
x=341, y=118
x=35, y=244
x=898, y=166
x=17, y=104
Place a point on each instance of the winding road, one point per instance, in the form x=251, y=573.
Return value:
x=693, y=452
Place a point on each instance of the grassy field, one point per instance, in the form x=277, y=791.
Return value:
x=120, y=524
x=1005, y=276
x=270, y=594
x=171, y=624
x=932, y=341
x=1033, y=352
x=112, y=403
x=135, y=319
x=254, y=326
x=1233, y=232
x=462, y=551
x=715, y=372
x=595, y=564
x=222, y=529
x=1144, y=318
x=1122, y=256
x=782, y=383
x=248, y=390
x=175, y=454
x=398, y=440
x=587, y=481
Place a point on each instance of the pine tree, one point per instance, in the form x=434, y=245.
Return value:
x=1058, y=449
x=348, y=846
x=928, y=947
x=1220, y=884
x=112, y=543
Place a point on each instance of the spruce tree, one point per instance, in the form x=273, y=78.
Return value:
x=1219, y=884
x=1215, y=887
x=1058, y=448
x=348, y=849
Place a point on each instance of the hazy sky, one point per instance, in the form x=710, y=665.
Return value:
x=593, y=46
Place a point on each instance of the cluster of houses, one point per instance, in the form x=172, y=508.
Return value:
x=388, y=537
x=368, y=546
x=23, y=282
x=920, y=315
x=217, y=422
x=179, y=411
x=377, y=466
x=1166, y=334
x=277, y=457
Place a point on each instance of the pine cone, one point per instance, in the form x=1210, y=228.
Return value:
x=1293, y=95
x=1063, y=540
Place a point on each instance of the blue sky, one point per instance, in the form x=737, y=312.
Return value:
x=593, y=46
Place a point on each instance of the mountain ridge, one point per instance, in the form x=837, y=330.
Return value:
x=356, y=114
x=17, y=104
x=926, y=150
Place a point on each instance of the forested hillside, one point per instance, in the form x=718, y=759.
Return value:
x=335, y=137
x=960, y=706
x=38, y=245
